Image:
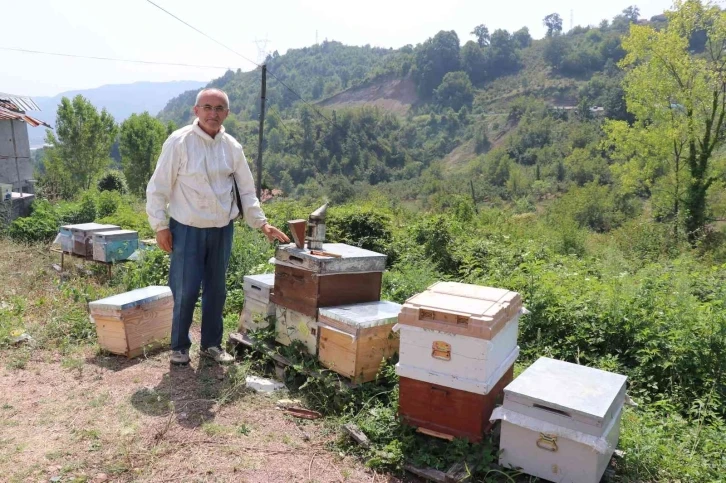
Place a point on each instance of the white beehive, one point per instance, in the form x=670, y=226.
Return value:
x=561, y=421
x=257, y=308
x=292, y=325
x=470, y=364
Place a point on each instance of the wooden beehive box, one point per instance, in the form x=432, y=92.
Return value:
x=561, y=421
x=114, y=245
x=126, y=323
x=257, y=308
x=83, y=237
x=447, y=411
x=291, y=325
x=354, y=339
x=305, y=291
x=510, y=301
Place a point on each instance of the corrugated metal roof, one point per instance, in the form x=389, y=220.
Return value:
x=21, y=116
x=25, y=103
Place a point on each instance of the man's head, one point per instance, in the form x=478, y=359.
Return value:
x=212, y=108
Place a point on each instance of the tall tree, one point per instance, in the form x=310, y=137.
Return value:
x=481, y=32
x=81, y=151
x=553, y=22
x=140, y=144
x=681, y=96
x=434, y=59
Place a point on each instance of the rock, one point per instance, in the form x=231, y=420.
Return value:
x=100, y=477
x=266, y=386
x=21, y=339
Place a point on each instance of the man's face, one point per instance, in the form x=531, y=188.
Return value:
x=212, y=110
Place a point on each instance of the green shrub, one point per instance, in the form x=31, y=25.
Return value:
x=366, y=228
x=114, y=180
x=108, y=202
x=87, y=208
x=40, y=226
x=129, y=218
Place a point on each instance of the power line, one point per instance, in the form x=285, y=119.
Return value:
x=91, y=57
x=199, y=31
x=244, y=57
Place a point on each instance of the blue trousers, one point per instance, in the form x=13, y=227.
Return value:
x=199, y=258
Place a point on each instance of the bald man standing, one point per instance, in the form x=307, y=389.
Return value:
x=190, y=201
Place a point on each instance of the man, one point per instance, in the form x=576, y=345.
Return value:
x=195, y=177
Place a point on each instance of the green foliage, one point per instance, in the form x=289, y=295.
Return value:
x=455, y=91
x=129, y=217
x=82, y=149
x=140, y=140
x=113, y=180
x=108, y=202
x=366, y=228
x=435, y=58
x=40, y=226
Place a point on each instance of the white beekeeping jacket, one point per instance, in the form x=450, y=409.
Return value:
x=192, y=182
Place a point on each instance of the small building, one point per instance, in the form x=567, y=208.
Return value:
x=16, y=168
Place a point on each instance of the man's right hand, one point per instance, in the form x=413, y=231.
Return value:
x=163, y=239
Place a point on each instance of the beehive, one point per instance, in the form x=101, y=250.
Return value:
x=305, y=282
x=561, y=421
x=291, y=325
x=114, y=245
x=463, y=343
x=257, y=307
x=83, y=237
x=126, y=323
x=449, y=411
x=354, y=339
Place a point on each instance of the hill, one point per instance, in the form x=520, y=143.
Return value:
x=121, y=100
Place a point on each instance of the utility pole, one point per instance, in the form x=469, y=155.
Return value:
x=262, y=128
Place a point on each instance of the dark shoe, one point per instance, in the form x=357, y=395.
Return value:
x=219, y=355
x=180, y=357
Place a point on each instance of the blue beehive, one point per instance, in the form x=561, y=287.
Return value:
x=114, y=246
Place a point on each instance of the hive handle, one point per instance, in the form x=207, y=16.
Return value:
x=547, y=442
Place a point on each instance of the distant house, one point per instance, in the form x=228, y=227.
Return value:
x=16, y=168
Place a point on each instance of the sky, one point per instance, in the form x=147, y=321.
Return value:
x=137, y=30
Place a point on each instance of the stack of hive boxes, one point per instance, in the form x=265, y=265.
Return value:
x=257, y=309
x=78, y=239
x=561, y=421
x=126, y=323
x=458, y=348
x=304, y=282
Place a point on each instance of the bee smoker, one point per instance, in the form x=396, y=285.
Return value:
x=316, y=228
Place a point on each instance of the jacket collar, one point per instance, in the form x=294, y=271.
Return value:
x=200, y=132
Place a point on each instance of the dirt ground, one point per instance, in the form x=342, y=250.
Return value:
x=105, y=418
x=73, y=413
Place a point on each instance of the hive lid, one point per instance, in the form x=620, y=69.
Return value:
x=500, y=295
x=131, y=299
x=360, y=316
x=117, y=234
x=91, y=226
x=456, y=304
x=567, y=388
x=350, y=259
x=266, y=280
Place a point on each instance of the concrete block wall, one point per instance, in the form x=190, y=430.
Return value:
x=15, y=164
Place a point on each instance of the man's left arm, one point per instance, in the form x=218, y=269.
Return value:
x=251, y=210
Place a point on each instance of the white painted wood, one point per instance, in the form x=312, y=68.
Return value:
x=292, y=325
x=572, y=462
x=473, y=360
x=259, y=286
x=570, y=395
x=512, y=301
x=352, y=259
x=255, y=314
x=457, y=381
